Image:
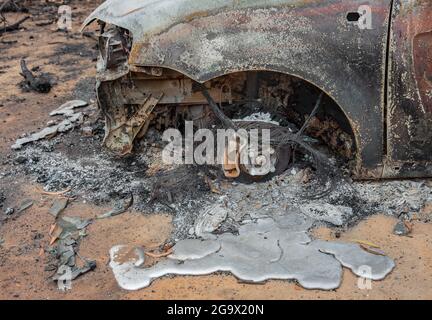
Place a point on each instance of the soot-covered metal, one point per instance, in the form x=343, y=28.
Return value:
x=377, y=80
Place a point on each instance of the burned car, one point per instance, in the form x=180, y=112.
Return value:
x=165, y=61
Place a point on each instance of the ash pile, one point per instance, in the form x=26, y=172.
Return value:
x=200, y=199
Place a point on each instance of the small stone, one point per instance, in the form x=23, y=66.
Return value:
x=401, y=229
x=9, y=211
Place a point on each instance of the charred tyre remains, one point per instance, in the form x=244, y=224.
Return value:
x=133, y=101
x=164, y=99
x=276, y=57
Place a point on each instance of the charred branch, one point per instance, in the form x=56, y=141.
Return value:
x=42, y=83
x=14, y=26
x=226, y=122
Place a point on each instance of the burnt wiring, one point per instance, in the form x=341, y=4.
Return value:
x=311, y=115
x=327, y=173
x=226, y=122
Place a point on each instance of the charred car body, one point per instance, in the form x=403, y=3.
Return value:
x=377, y=80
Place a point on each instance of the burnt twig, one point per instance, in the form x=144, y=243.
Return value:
x=14, y=26
x=40, y=84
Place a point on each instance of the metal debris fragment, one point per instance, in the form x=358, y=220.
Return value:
x=119, y=208
x=68, y=109
x=49, y=132
x=210, y=220
x=57, y=207
x=122, y=131
x=25, y=205
x=71, y=224
x=66, y=227
x=89, y=265
x=71, y=120
x=335, y=215
x=66, y=253
x=67, y=269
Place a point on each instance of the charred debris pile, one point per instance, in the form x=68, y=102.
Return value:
x=200, y=198
x=317, y=154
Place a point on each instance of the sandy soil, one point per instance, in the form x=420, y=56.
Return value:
x=22, y=263
x=22, y=274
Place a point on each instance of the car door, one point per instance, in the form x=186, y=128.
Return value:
x=409, y=113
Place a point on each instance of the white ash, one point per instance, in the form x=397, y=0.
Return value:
x=94, y=175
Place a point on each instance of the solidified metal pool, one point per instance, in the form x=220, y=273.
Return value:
x=277, y=247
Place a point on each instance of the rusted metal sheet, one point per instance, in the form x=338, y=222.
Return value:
x=122, y=130
x=410, y=90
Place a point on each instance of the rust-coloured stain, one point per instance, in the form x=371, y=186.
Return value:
x=423, y=68
x=410, y=90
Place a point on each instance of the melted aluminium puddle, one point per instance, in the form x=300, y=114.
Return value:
x=271, y=248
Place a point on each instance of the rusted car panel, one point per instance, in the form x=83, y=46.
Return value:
x=177, y=42
x=410, y=90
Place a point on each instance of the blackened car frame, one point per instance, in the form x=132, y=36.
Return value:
x=377, y=108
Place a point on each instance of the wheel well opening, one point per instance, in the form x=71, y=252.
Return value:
x=282, y=98
x=290, y=100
